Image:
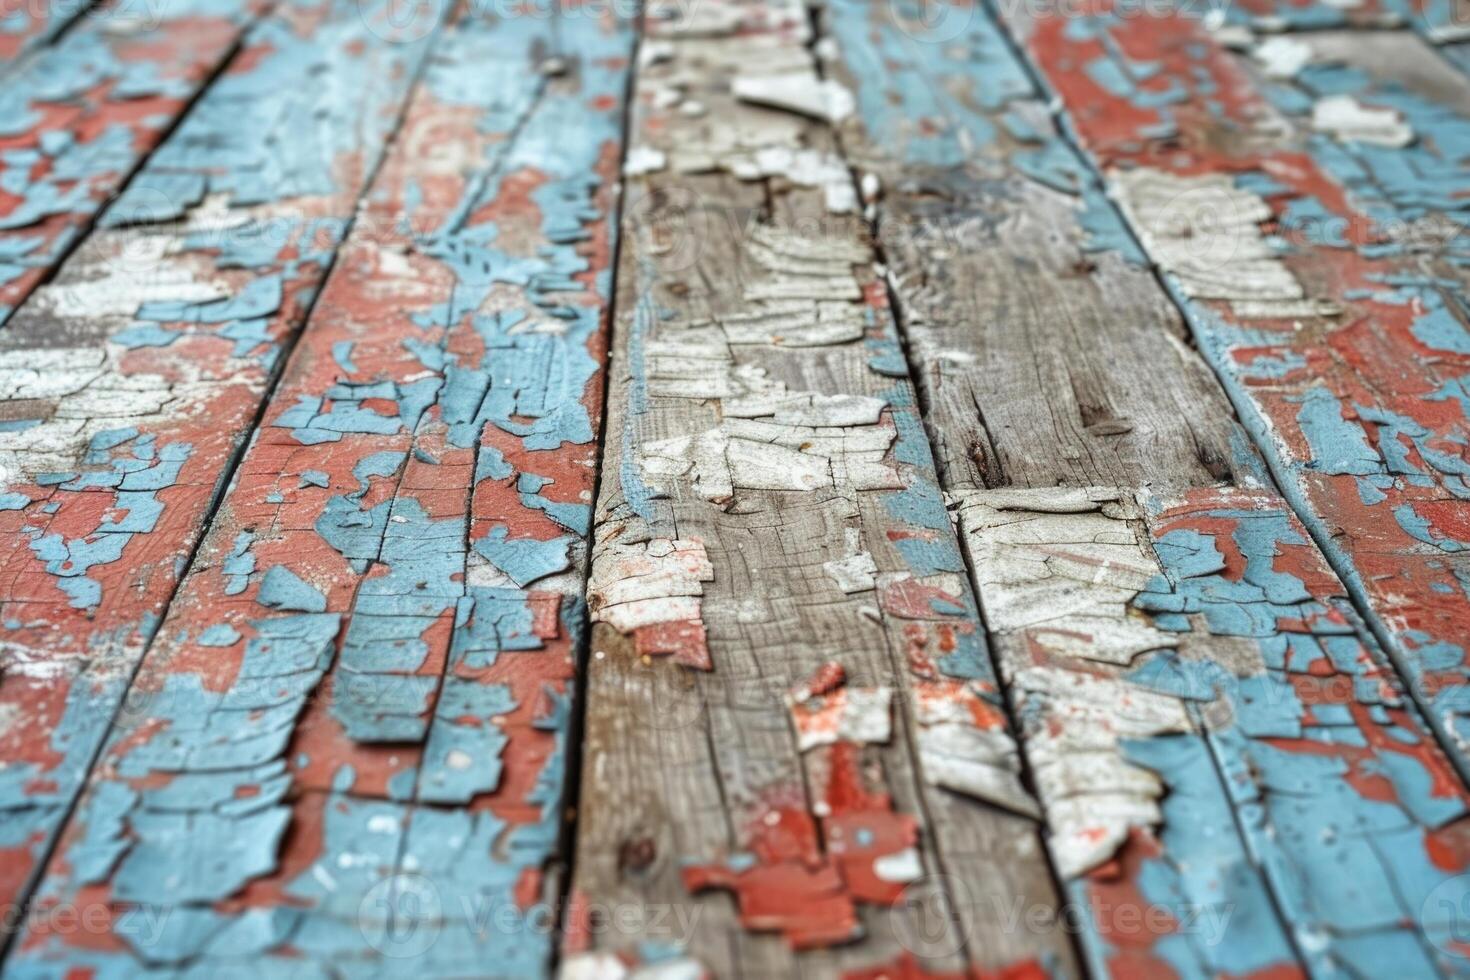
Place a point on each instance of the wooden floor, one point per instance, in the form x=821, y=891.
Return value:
x=735, y=488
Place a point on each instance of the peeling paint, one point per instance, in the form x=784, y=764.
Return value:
x=827, y=710
x=128, y=444
x=652, y=591
x=1256, y=673
x=80, y=116
x=360, y=699
x=799, y=92
x=764, y=413
x=1348, y=120
x=1352, y=393
x=1205, y=231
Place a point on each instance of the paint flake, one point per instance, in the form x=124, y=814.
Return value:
x=1349, y=120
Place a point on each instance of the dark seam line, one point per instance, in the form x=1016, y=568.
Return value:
x=576, y=726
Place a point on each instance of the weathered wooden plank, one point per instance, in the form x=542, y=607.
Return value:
x=1183, y=660
x=793, y=740
x=79, y=117
x=1318, y=261
x=1024, y=299
x=131, y=381
x=359, y=703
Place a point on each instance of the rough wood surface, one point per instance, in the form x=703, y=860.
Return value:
x=132, y=379
x=1215, y=739
x=1178, y=651
x=1027, y=536
x=793, y=747
x=1317, y=250
x=1026, y=305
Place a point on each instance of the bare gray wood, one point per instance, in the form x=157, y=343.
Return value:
x=1045, y=350
x=746, y=282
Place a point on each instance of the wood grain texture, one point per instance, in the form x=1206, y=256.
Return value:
x=132, y=380
x=1215, y=737
x=1026, y=537
x=1178, y=651
x=1027, y=306
x=786, y=662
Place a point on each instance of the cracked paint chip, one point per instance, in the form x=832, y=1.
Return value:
x=652, y=591
x=800, y=92
x=1206, y=232
x=276, y=749
x=965, y=746
x=1093, y=796
x=856, y=573
x=1348, y=120
x=1065, y=574
x=1058, y=570
x=825, y=711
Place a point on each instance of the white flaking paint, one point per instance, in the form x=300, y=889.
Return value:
x=674, y=968
x=1348, y=120
x=1057, y=572
x=1093, y=796
x=77, y=393
x=852, y=574
x=592, y=966
x=964, y=746
x=800, y=323
x=707, y=128
x=644, y=160
x=757, y=455
x=800, y=92
x=1282, y=56
x=654, y=52
x=638, y=585
x=902, y=866
x=770, y=437
x=806, y=167
x=1065, y=575
x=1205, y=232
x=141, y=275
x=860, y=715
